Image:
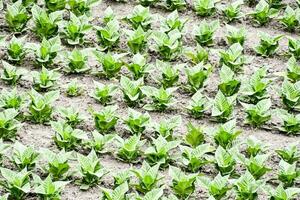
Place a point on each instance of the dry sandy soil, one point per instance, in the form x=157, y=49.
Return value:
x=41, y=135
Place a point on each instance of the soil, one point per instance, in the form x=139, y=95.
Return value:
x=40, y=136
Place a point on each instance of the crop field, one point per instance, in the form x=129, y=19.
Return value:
x=149, y=99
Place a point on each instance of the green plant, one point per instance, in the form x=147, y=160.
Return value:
x=198, y=105
x=16, y=49
x=256, y=88
x=11, y=74
x=139, y=66
x=99, y=142
x=294, y=47
x=204, y=33
x=129, y=149
x=235, y=35
x=159, y=151
x=148, y=2
x=111, y=63
x=218, y=187
x=167, y=45
x=229, y=84
x=74, y=88
x=162, y=99
x=57, y=164
x=290, y=18
x=47, y=188
x=175, y=4
x=169, y=74
x=137, y=39
x=55, y=5
x=197, y=55
x=280, y=193
x=90, y=170
x=290, y=153
x=194, y=136
x=40, y=107
x=195, y=159
x=254, y=146
x=9, y=125
x=233, y=11
x=106, y=119
x=71, y=115
x=140, y=16
x=263, y=13
x=75, y=29
x=117, y=194
x=131, y=90
x=77, y=61
x=12, y=99
x=197, y=76
x=148, y=177
x=246, y=187
x=288, y=173
x=28, y=3
x=293, y=70
x=222, y=108
x=24, y=157
x=109, y=15
x=166, y=127
x=290, y=94
x=290, y=123
x=205, y=7
x=137, y=122
x=45, y=80
x=104, y=93
x=3, y=149
x=109, y=35
x=172, y=22
x=46, y=25
x=81, y=7
x=16, y=183
x=234, y=58
x=154, y=194
x=259, y=113
x=121, y=177
x=268, y=45
x=183, y=184
x=275, y=3
x=225, y=160
x=16, y=16
x=67, y=137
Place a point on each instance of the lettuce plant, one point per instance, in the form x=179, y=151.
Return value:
x=194, y=136
x=290, y=18
x=195, y=159
x=45, y=80
x=140, y=16
x=109, y=35
x=225, y=160
x=106, y=119
x=197, y=55
x=154, y=194
x=12, y=99
x=4, y=196
x=197, y=76
x=172, y=22
x=131, y=90
x=275, y=3
x=40, y=107
x=282, y=193
x=90, y=170
x=75, y=29
x=159, y=151
x=256, y=88
x=218, y=187
x=137, y=122
x=47, y=188
x=16, y=49
x=254, y=146
x=148, y=2
x=9, y=125
x=183, y=185
x=10, y=74
x=104, y=93
x=77, y=62
x=290, y=94
x=169, y=75
x=57, y=164
x=111, y=63
x=229, y=84
x=17, y=183
x=109, y=15
x=223, y=107
x=71, y=115
x=28, y=3
x=263, y=13
x=99, y=142
x=148, y=177
x=198, y=105
x=24, y=157
x=55, y=5
x=46, y=25
x=233, y=57
x=175, y=4
x=81, y=7
x=293, y=70
x=288, y=173
x=139, y=66
x=129, y=149
x=205, y=7
x=161, y=98
x=294, y=47
x=16, y=16
x=3, y=149
x=121, y=177
x=166, y=127
x=204, y=33
x=233, y=11
x=67, y=137
x=167, y=45
x=268, y=45
x=290, y=123
x=74, y=89
x=235, y=35
x=290, y=153
x=117, y=193
x=258, y=114
x=137, y=39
